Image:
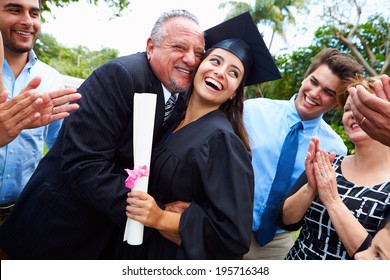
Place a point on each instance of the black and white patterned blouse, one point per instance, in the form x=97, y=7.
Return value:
x=319, y=240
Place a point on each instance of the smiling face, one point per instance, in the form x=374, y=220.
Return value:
x=20, y=24
x=379, y=249
x=317, y=93
x=351, y=125
x=179, y=53
x=218, y=77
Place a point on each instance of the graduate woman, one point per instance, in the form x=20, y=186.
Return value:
x=205, y=161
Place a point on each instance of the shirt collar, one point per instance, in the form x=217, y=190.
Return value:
x=167, y=94
x=32, y=60
x=293, y=116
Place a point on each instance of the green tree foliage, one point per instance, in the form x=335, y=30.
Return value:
x=293, y=67
x=375, y=32
x=276, y=14
x=116, y=7
x=80, y=61
x=371, y=40
x=273, y=13
x=368, y=42
x=77, y=62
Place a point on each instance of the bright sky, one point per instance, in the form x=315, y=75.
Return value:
x=88, y=25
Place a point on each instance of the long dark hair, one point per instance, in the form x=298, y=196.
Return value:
x=232, y=108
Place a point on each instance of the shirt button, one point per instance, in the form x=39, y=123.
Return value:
x=9, y=78
x=8, y=176
x=12, y=151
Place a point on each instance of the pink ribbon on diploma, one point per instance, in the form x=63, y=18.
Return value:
x=138, y=172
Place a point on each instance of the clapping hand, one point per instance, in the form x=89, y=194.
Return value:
x=31, y=109
x=314, y=160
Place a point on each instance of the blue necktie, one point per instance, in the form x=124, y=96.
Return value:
x=169, y=107
x=280, y=185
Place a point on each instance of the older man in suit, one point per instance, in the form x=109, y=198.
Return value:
x=74, y=205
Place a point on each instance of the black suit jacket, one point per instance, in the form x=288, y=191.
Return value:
x=74, y=204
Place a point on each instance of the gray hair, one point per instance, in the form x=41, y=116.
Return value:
x=158, y=31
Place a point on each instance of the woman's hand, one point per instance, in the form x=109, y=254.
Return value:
x=176, y=207
x=326, y=179
x=173, y=237
x=143, y=208
x=309, y=164
x=348, y=228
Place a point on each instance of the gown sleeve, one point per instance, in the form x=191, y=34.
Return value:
x=218, y=223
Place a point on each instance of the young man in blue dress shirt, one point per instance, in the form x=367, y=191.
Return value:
x=269, y=121
x=20, y=25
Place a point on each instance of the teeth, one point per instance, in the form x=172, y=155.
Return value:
x=310, y=102
x=23, y=33
x=184, y=71
x=213, y=83
x=354, y=125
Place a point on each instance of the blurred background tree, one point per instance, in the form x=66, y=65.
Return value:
x=344, y=28
x=367, y=41
x=77, y=62
x=116, y=7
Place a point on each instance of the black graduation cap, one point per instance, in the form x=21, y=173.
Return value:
x=240, y=36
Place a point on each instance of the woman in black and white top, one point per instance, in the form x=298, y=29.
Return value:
x=342, y=204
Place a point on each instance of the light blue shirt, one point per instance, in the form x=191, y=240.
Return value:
x=20, y=157
x=268, y=122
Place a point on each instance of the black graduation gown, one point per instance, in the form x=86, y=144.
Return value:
x=73, y=207
x=204, y=163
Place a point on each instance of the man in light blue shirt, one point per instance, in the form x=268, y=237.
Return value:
x=269, y=121
x=20, y=26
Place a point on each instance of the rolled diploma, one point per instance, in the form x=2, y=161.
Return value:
x=144, y=113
